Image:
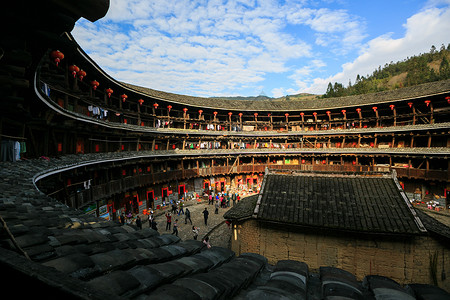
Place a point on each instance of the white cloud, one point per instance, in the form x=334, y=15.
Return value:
x=217, y=47
x=428, y=27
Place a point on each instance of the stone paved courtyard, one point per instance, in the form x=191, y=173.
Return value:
x=219, y=237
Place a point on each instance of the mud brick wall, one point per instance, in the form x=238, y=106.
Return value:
x=402, y=259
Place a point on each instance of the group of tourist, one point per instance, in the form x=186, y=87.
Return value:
x=223, y=199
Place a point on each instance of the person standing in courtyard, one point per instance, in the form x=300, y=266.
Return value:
x=138, y=222
x=195, y=232
x=175, y=227
x=187, y=216
x=205, y=215
x=150, y=218
x=169, y=221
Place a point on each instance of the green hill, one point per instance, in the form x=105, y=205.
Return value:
x=427, y=67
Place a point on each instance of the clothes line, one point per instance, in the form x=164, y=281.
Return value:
x=13, y=137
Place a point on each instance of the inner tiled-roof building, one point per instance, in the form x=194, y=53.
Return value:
x=78, y=147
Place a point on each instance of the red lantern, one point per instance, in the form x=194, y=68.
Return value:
x=109, y=91
x=141, y=101
x=324, y=162
x=358, y=110
x=256, y=114
x=302, y=114
x=303, y=161
x=124, y=97
x=315, y=114
x=344, y=111
x=169, y=107
x=81, y=74
x=354, y=162
x=74, y=69
x=410, y=104
x=200, y=112
x=57, y=56
x=448, y=99
x=427, y=102
x=215, y=113
x=374, y=108
x=185, y=110
x=94, y=84
x=286, y=115
x=240, y=115
x=155, y=105
x=230, y=113
x=392, y=106
x=328, y=113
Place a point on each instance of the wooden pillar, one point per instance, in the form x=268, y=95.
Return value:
x=431, y=113
x=429, y=140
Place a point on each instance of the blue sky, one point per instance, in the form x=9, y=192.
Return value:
x=242, y=47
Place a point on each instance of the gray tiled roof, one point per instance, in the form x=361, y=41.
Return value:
x=350, y=203
x=422, y=90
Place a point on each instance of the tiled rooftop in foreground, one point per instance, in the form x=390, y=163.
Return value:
x=84, y=257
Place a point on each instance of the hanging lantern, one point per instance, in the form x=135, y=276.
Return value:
x=230, y=113
x=141, y=101
x=392, y=106
x=286, y=115
x=185, y=110
x=109, y=91
x=314, y=114
x=303, y=161
x=215, y=113
x=358, y=110
x=328, y=113
x=448, y=99
x=124, y=97
x=410, y=104
x=81, y=74
x=200, y=112
x=427, y=102
x=57, y=56
x=118, y=114
x=240, y=115
x=343, y=111
x=302, y=114
x=74, y=69
x=256, y=115
x=375, y=108
x=169, y=107
x=94, y=84
x=155, y=105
